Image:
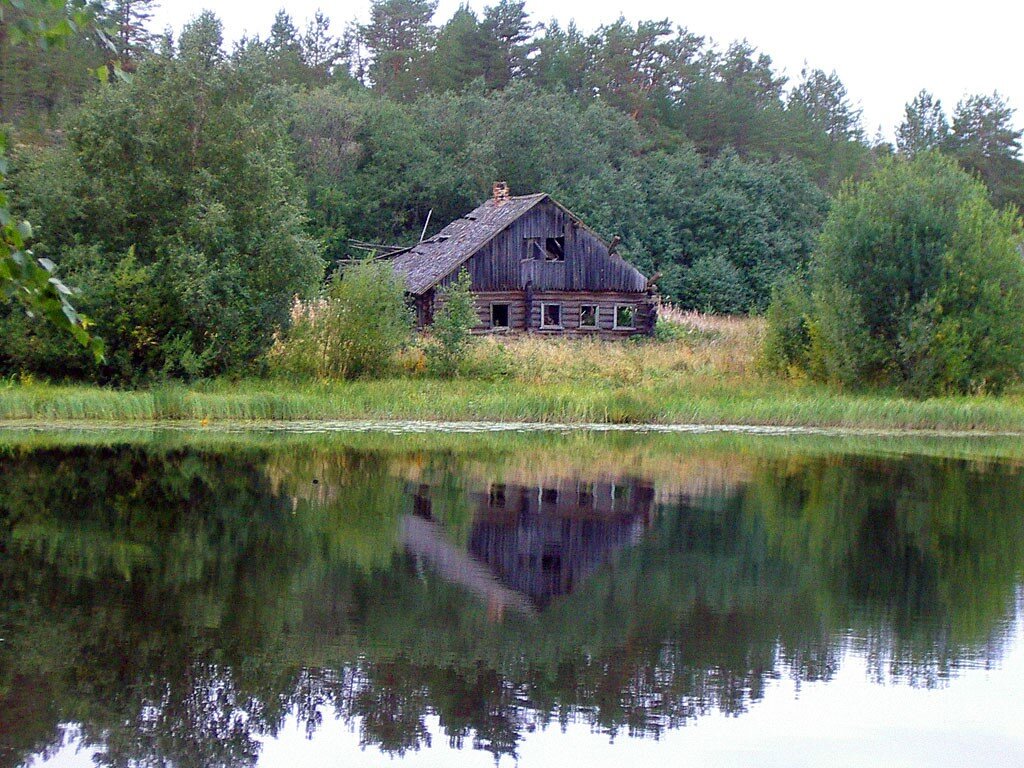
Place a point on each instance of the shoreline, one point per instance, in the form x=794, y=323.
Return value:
x=699, y=403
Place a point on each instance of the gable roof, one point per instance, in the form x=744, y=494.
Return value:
x=429, y=262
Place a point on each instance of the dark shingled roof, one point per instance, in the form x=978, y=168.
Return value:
x=426, y=263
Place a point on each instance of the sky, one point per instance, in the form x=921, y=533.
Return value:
x=884, y=52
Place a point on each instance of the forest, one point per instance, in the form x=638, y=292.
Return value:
x=191, y=187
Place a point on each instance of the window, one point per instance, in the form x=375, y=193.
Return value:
x=499, y=316
x=545, y=248
x=550, y=315
x=625, y=316
x=554, y=249
x=497, y=496
x=588, y=316
x=585, y=495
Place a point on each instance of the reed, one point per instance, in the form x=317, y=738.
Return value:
x=707, y=374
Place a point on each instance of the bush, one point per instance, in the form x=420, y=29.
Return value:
x=714, y=284
x=787, y=341
x=355, y=330
x=452, y=327
x=917, y=283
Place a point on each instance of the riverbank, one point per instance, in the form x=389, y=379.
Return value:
x=704, y=372
x=695, y=400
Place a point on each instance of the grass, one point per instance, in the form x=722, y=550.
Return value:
x=705, y=374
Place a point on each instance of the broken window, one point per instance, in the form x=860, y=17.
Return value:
x=499, y=316
x=625, y=316
x=554, y=249
x=550, y=315
x=588, y=316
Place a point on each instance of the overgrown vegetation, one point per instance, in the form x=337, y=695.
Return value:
x=355, y=329
x=194, y=201
x=451, y=327
x=918, y=283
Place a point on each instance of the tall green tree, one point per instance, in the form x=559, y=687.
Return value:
x=399, y=36
x=461, y=53
x=924, y=127
x=130, y=21
x=917, y=283
x=825, y=102
x=179, y=187
x=508, y=33
x=986, y=142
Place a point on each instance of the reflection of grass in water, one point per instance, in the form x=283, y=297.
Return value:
x=551, y=451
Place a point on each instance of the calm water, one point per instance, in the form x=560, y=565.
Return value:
x=455, y=600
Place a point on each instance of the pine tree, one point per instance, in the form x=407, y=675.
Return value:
x=924, y=126
x=398, y=38
x=129, y=20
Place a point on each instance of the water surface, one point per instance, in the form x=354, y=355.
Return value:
x=279, y=599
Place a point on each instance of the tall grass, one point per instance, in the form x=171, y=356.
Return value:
x=707, y=375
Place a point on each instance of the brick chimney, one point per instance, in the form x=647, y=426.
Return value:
x=499, y=192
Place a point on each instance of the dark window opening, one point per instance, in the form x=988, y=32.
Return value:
x=554, y=249
x=498, y=495
x=549, y=495
x=499, y=316
x=550, y=315
x=588, y=316
x=585, y=496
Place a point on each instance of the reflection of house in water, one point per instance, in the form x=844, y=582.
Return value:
x=543, y=541
x=534, y=541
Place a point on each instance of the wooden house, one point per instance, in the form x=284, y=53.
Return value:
x=535, y=267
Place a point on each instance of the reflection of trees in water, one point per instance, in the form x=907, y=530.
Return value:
x=180, y=605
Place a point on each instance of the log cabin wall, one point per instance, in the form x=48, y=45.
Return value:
x=570, y=305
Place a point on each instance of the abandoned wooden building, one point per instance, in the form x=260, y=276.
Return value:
x=534, y=267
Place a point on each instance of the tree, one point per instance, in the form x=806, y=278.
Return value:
x=460, y=56
x=178, y=183
x=984, y=140
x=399, y=37
x=129, y=19
x=507, y=30
x=23, y=277
x=452, y=326
x=917, y=283
x=924, y=126
x=825, y=102
x=321, y=51
x=354, y=330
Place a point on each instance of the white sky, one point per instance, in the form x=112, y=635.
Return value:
x=885, y=51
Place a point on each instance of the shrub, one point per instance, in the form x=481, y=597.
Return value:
x=787, y=340
x=917, y=283
x=354, y=330
x=714, y=284
x=452, y=326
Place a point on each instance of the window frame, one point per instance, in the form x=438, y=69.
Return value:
x=597, y=318
x=508, y=316
x=544, y=326
x=632, y=316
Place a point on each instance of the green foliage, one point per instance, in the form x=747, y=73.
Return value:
x=181, y=183
x=355, y=330
x=918, y=283
x=787, y=339
x=714, y=284
x=452, y=326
